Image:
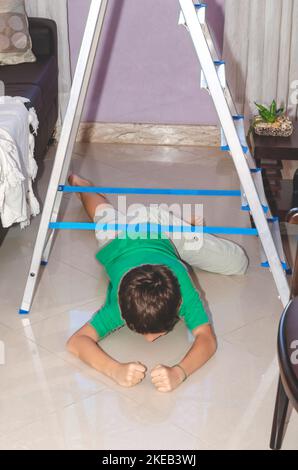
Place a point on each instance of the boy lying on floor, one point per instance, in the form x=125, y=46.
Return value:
x=150, y=290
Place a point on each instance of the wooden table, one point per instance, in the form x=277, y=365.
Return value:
x=269, y=154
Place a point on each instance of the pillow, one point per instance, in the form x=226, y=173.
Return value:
x=15, y=41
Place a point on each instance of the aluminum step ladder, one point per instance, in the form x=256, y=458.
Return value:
x=193, y=15
x=213, y=79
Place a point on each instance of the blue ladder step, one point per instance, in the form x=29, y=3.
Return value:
x=239, y=125
x=258, y=180
x=201, y=14
x=275, y=231
x=23, y=312
x=220, y=66
x=156, y=228
x=152, y=191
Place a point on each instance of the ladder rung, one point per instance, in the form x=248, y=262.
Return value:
x=245, y=207
x=153, y=228
x=275, y=231
x=284, y=266
x=258, y=181
x=201, y=13
x=239, y=125
x=220, y=66
x=152, y=191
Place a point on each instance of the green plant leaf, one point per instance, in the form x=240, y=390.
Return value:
x=272, y=119
x=267, y=116
x=262, y=108
x=273, y=108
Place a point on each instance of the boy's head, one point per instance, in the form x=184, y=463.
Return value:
x=149, y=299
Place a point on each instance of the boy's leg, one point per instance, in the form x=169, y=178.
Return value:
x=216, y=255
x=208, y=253
x=90, y=201
x=99, y=209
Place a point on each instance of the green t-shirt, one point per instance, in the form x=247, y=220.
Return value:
x=120, y=256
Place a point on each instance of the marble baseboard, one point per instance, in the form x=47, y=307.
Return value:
x=149, y=134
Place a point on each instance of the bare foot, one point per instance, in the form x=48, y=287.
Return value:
x=76, y=180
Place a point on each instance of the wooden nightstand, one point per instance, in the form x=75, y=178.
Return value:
x=269, y=154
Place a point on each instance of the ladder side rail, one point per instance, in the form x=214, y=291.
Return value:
x=74, y=130
x=240, y=162
x=71, y=123
x=215, y=56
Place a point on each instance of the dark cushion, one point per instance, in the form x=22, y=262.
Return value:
x=288, y=350
x=38, y=74
x=42, y=43
x=43, y=33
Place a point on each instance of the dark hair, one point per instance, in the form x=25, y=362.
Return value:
x=149, y=299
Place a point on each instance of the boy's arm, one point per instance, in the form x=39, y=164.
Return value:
x=84, y=345
x=201, y=351
x=167, y=379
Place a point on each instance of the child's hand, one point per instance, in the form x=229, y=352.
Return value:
x=166, y=379
x=130, y=374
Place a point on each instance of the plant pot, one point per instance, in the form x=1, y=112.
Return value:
x=282, y=127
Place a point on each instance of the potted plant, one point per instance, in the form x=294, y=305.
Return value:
x=272, y=121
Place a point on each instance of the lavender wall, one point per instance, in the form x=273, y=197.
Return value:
x=146, y=70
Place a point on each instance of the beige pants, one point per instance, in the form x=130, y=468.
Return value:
x=203, y=251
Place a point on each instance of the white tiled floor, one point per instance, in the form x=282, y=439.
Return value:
x=49, y=400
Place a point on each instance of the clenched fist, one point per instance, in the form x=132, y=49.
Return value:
x=166, y=379
x=130, y=374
